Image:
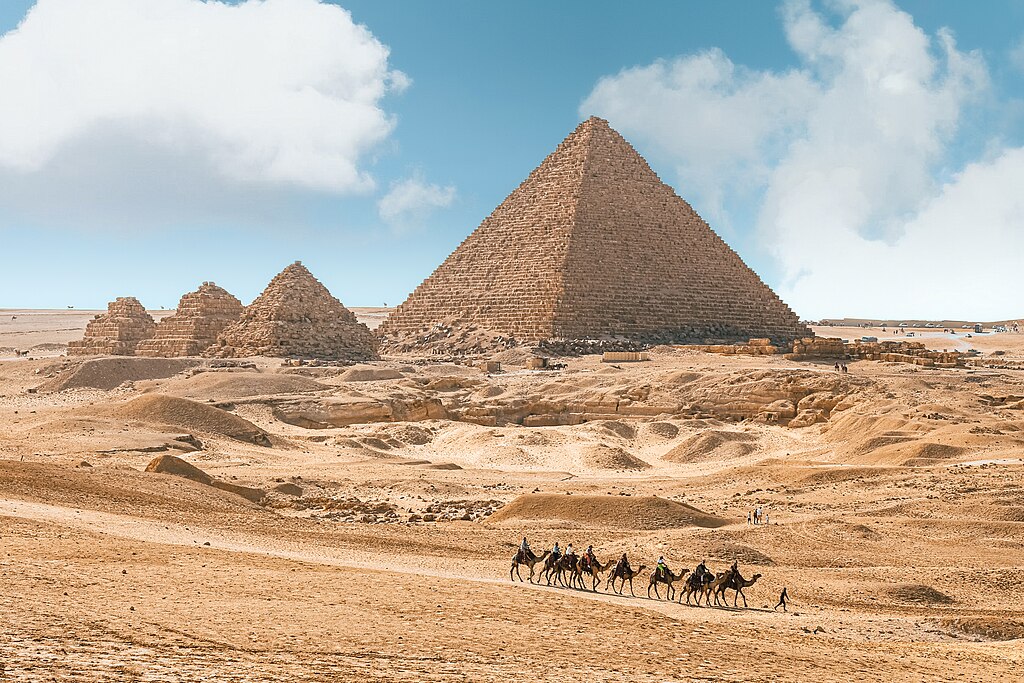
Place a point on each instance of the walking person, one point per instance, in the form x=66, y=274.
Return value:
x=783, y=597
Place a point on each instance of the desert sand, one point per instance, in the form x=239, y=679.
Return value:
x=390, y=498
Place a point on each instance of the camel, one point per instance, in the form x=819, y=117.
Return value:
x=695, y=584
x=517, y=560
x=668, y=579
x=738, y=583
x=549, y=566
x=716, y=586
x=594, y=569
x=625, y=575
x=566, y=564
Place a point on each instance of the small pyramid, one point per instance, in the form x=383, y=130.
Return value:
x=201, y=316
x=591, y=246
x=116, y=332
x=296, y=317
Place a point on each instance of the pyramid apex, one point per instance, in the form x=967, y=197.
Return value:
x=295, y=267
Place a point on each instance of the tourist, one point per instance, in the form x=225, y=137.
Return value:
x=782, y=600
x=662, y=567
x=524, y=551
x=556, y=552
x=837, y=366
x=568, y=550
x=588, y=557
x=748, y=519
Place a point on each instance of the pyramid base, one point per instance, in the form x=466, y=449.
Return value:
x=444, y=340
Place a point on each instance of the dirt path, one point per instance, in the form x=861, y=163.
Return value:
x=402, y=633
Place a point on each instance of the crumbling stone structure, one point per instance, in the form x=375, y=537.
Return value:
x=591, y=246
x=296, y=317
x=201, y=316
x=116, y=332
x=833, y=348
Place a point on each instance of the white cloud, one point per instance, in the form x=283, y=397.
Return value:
x=411, y=200
x=1017, y=55
x=274, y=94
x=715, y=121
x=846, y=156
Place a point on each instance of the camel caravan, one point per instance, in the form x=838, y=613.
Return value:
x=569, y=570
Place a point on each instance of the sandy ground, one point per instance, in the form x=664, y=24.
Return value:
x=897, y=524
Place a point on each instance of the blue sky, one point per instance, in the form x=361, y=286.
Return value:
x=842, y=148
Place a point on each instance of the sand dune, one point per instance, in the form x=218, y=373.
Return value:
x=190, y=416
x=712, y=445
x=616, y=512
x=225, y=386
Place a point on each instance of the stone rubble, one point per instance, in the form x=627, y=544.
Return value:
x=829, y=348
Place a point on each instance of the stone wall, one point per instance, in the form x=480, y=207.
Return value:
x=832, y=348
x=296, y=317
x=116, y=332
x=592, y=246
x=201, y=316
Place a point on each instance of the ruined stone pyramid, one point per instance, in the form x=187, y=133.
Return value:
x=201, y=316
x=116, y=332
x=296, y=317
x=592, y=245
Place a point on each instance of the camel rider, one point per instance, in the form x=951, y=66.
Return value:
x=588, y=557
x=662, y=567
x=525, y=552
x=556, y=552
x=568, y=550
x=699, y=572
x=622, y=566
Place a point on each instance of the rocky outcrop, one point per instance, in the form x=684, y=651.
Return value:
x=797, y=399
x=173, y=465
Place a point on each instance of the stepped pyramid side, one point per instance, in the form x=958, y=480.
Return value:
x=296, y=317
x=116, y=332
x=505, y=278
x=592, y=245
x=201, y=316
x=643, y=265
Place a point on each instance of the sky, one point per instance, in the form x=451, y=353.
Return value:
x=866, y=158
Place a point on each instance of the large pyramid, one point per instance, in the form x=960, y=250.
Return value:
x=592, y=245
x=201, y=316
x=296, y=317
